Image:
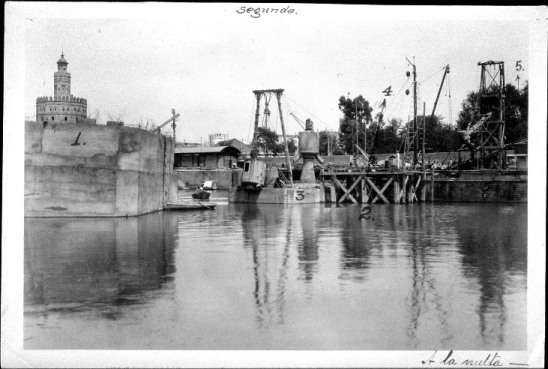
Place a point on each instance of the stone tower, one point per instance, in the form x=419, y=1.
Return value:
x=61, y=79
x=62, y=107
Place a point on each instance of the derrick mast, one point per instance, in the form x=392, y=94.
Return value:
x=489, y=136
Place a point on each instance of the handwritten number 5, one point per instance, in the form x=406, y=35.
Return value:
x=518, y=66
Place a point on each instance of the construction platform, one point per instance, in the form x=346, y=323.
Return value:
x=375, y=186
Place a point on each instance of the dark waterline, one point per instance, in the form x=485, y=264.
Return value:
x=431, y=276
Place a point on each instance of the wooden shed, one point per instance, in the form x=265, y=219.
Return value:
x=213, y=157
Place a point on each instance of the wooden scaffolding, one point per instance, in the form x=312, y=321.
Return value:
x=371, y=187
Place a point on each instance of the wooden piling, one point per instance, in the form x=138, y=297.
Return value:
x=365, y=191
x=396, y=191
x=423, y=187
x=432, y=186
x=411, y=192
x=403, y=193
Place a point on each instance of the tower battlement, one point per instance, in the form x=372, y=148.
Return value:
x=43, y=99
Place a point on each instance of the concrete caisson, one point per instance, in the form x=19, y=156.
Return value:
x=96, y=170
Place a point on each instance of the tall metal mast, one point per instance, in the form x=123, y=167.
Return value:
x=415, y=131
x=256, y=127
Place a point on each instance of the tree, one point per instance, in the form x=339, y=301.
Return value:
x=280, y=148
x=97, y=115
x=440, y=136
x=387, y=138
x=329, y=142
x=267, y=140
x=515, y=112
x=356, y=113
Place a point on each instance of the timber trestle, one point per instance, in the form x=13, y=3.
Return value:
x=388, y=187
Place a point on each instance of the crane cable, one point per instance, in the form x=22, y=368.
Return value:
x=427, y=78
x=312, y=115
x=395, y=96
x=251, y=122
x=298, y=120
x=450, y=107
x=290, y=112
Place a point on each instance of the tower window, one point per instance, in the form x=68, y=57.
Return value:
x=65, y=118
x=52, y=118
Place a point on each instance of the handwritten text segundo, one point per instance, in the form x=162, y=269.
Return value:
x=256, y=12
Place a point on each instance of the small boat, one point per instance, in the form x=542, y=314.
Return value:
x=201, y=195
x=193, y=205
x=209, y=185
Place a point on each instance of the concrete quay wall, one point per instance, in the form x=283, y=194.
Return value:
x=96, y=170
x=478, y=186
x=303, y=194
x=193, y=178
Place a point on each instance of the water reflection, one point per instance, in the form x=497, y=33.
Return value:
x=282, y=277
x=418, y=224
x=265, y=229
x=96, y=263
x=357, y=242
x=489, y=253
x=307, y=244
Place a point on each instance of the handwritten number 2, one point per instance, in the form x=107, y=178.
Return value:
x=365, y=213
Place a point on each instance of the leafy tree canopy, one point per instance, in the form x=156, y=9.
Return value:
x=356, y=113
x=267, y=140
x=329, y=143
x=515, y=112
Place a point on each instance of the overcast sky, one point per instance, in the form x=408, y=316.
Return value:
x=138, y=61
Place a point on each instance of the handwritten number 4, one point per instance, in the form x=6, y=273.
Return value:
x=387, y=91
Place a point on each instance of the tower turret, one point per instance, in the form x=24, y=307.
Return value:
x=61, y=79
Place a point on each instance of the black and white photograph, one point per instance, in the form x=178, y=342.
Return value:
x=273, y=185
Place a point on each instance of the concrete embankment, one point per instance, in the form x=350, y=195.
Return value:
x=96, y=170
x=463, y=186
x=300, y=194
x=478, y=186
x=193, y=178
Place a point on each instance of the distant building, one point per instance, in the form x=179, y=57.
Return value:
x=206, y=157
x=62, y=107
x=242, y=147
x=294, y=138
x=215, y=138
x=519, y=154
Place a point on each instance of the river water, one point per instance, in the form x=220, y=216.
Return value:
x=404, y=277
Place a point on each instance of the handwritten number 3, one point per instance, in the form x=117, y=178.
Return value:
x=300, y=195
